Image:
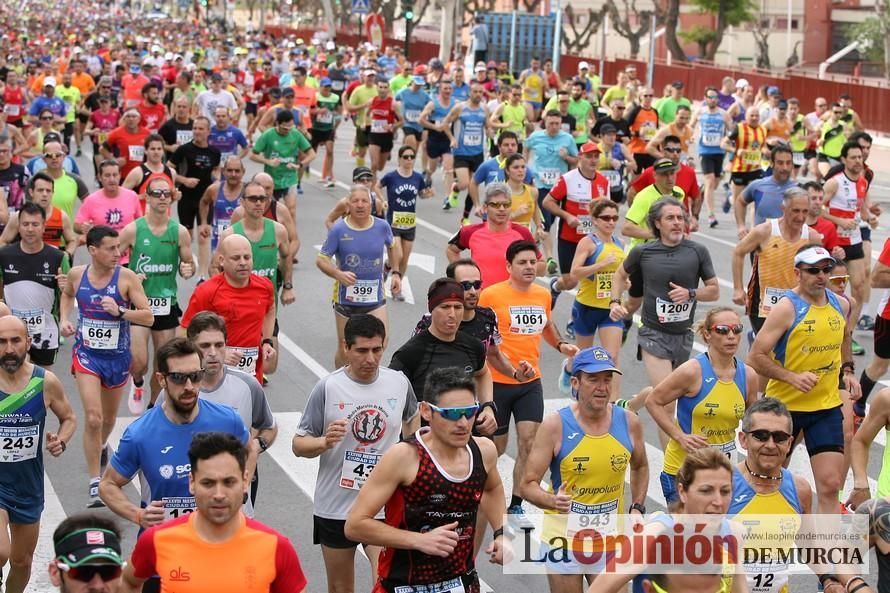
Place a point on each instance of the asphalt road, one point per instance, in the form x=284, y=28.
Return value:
x=307, y=352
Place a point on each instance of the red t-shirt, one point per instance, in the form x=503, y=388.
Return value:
x=828, y=231
x=152, y=117
x=243, y=309
x=128, y=145
x=256, y=559
x=574, y=191
x=489, y=249
x=686, y=180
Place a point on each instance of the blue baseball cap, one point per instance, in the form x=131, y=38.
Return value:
x=325, y=81
x=418, y=80
x=593, y=360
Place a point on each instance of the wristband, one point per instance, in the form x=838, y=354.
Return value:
x=823, y=578
x=499, y=532
x=853, y=579
x=140, y=514
x=64, y=445
x=268, y=341
x=614, y=302
x=559, y=345
x=861, y=585
x=848, y=366
x=395, y=272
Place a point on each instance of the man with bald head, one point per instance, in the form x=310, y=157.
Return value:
x=245, y=300
x=26, y=393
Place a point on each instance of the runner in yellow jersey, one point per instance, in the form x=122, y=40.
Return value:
x=803, y=346
x=533, y=81
x=524, y=206
x=513, y=115
x=598, y=256
x=761, y=486
x=589, y=446
x=712, y=391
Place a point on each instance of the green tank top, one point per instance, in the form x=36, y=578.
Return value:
x=515, y=115
x=158, y=259
x=833, y=138
x=798, y=135
x=884, y=476
x=265, y=251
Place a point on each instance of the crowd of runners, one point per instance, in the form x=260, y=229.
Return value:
x=559, y=183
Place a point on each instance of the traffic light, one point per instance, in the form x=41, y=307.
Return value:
x=408, y=10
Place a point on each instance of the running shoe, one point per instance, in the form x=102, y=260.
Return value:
x=465, y=222
x=712, y=221
x=446, y=204
x=570, y=329
x=330, y=183
x=454, y=196
x=866, y=323
x=135, y=400
x=516, y=516
x=300, y=189
x=554, y=294
x=95, y=502
x=564, y=384
x=727, y=204
x=398, y=296
x=857, y=348
x=622, y=403
x=79, y=152
x=552, y=267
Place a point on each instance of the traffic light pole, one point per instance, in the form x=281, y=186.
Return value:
x=409, y=25
x=408, y=13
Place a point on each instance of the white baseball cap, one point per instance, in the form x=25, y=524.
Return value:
x=49, y=81
x=741, y=83
x=813, y=255
x=583, y=66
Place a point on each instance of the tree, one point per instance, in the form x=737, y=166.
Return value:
x=621, y=21
x=577, y=38
x=760, y=29
x=874, y=33
x=671, y=22
x=729, y=13
x=528, y=6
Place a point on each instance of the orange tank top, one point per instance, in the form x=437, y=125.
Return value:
x=748, y=148
x=774, y=273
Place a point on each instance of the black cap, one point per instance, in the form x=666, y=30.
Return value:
x=52, y=137
x=361, y=172
x=677, y=84
x=665, y=166
x=216, y=77
x=608, y=129
x=287, y=92
x=89, y=546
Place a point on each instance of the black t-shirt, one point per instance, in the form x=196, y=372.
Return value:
x=621, y=126
x=425, y=352
x=170, y=132
x=193, y=161
x=92, y=101
x=483, y=326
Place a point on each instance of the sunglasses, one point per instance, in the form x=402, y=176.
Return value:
x=724, y=330
x=818, y=270
x=618, y=107
x=409, y=157
x=474, y=285
x=710, y=96
x=254, y=199
x=86, y=572
x=455, y=414
x=609, y=217
x=763, y=435
x=499, y=205
x=182, y=378
x=161, y=193
x=672, y=150
x=839, y=280
x=53, y=155
x=648, y=95
x=46, y=118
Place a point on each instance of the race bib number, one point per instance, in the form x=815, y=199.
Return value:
x=324, y=118
x=378, y=126
x=604, y=285
x=159, y=305
x=711, y=139
x=600, y=517
x=177, y=506
x=771, y=580
x=797, y=159
x=222, y=225
x=852, y=234
x=337, y=85
x=35, y=320
x=412, y=115
x=549, y=176
x=102, y=136
x=473, y=139
x=771, y=296
x=12, y=110
x=670, y=312
x=18, y=443
x=404, y=220
x=249, y=357
x=585, y=225
x=648, y=132
x=183, y=136
x=728, y=449
x=100, y=334
x=527, y=320
x=613, y=177
x=357, y=466
x=454, y=585
x=136, y=153
x=752, y=158
x=363, y=291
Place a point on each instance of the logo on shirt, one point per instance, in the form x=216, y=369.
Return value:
x=166, y=471
x=619, y=463
x=113, y=217
x=572, y=436
x=167, y=448
x=178, y=574
x=740, y=498
x=352, y=260
x=834, y=322
x=368, y=426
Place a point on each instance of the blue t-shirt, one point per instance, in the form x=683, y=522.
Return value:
x=550, y=166
x=492, y=170
x=54, y=104
x=713, y=129
x=37, y=164
x=766, y=194
x=461, y=92
x=401, y=193
x=226, y=141
x=359, y=251
x=470, y=131
x=159, y=449
x=412, y=104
